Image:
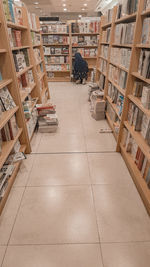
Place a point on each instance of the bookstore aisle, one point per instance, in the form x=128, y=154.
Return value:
x=73, y=203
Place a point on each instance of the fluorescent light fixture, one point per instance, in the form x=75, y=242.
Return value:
x=85, y=4
x=65, y=9
x=36, y=3
x=64, y=4
x=80, y=16
x=83, y=9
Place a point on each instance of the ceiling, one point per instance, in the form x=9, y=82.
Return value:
x=55, y=7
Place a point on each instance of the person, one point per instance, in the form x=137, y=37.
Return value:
x=80, y=72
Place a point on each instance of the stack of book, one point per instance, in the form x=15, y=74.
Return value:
x=36, y=38
x=13, y=12
x=118, y=76
x=55, y=28
x=57, y=60
x=106, y=35
x=124, y=33
x=121, y=56
x=55, y=51
x=144, y=63
x=37, y=54
x=14, y=37
x=55, y=39
x=97, y=105
x=85, y=52
x=47, y=118
x=89, y=25
x=126, y=7
x=104, y=51
x=21, y=59
x=82, y=40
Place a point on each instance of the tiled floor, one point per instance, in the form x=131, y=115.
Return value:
x=73, y=203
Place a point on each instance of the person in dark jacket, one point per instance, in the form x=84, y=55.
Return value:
x=80, y=69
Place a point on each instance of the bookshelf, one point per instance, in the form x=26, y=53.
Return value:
x=56, y=42
x=129, y=131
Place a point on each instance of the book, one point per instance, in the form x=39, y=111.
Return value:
x=6, y=99
x=145, y=39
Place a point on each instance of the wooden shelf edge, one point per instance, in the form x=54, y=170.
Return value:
x=20, y=48
x=23, y=71
x=122, y=45
x=16, y=26
x=25, y=94
x=101, y=72
x=55, y=44
x=6, y=116
x=126, y=18
x=3, y=51
x=146, y=13
x=103, y=58
x=138, y=103
x=147, y=46
x=137, y=178
x=107, y=25
x=137, y=75
x=119, y=66
x=4, y=83
x=122, y=91
x=54, y=33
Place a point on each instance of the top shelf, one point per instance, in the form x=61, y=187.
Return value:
x=128, y=18
x=16, y=26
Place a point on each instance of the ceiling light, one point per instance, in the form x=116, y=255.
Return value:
x=64, y=4
x=65, y=9
x=37, y=7
x=80, y=16
x=85, y=4
x=36, y=3
x=83, y=9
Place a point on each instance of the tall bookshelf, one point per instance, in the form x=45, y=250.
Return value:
x=131, y=157
x=57, y=70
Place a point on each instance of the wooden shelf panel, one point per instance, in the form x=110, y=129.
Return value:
x=7, y=148
x=20, y=48
x=122, y=91
x=33, y=30
x=11, y=181
x=2, y=51
x=59, y=79
x=4, y=83
x=55, y=44
x=54, y=33
x=103, y=58
x=16, y=26
x=122, y=45
x=37, y=45
x=146, y=13
x=147, y=46
x=24, y=71
x=138, y=103
x=137, y=178
x=119, y=66
x=25, y=94
x=113, y=106
x=110, y=122
x=128, y=18
x=6, y=116
x=107, y=25
x=84, y=46
x=104, y=43
x=139, y=140
x=101, y=72
x=137, y=75
x=83, y=33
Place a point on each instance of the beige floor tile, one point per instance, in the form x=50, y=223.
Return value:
x=53, y=256
x=2, y=253
x=35, y=141
x=62, y=169
x=62, y=143
x=23, y=174
x=126, y=255
x=50, y=215
x=108, y=168
x=121, y=214
x=9, y=213
x=97, y=142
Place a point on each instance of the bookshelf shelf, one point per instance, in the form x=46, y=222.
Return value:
x=146, y=13
x=54, y=33
x=147, y=46
x=24, y=71
x=107, y=25
x=137, y=178
x=101, y=72
x=86, y=34
x=20, y=48
x=129, y=18
x=84, y=46
x=138, y=103
x=25, y=94
x=113, y=106
x=59, y=79
x=139, y=140
x=104, y=43
x=122, y=45
x=111, y=125
x=119, y=66
x=122, y=91
x=36, y=45
x=7, y=148
x=56, y=45
x=4, y=83
x=2, y=51
x=16, y=26
x=137, y=75
x=6, y=116
x=103, y=58
x=34, y=30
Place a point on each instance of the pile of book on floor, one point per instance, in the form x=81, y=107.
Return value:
x=47, y=118
x=97, y=103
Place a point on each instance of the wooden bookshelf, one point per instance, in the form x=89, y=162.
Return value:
x=132, y=76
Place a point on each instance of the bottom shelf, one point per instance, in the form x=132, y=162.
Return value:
x=59, y=79
x=137, y=178
x=11, y=181
x=110, y=122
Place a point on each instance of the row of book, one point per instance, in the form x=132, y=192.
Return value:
x=146, y=4
x=25, y=81
x=85, y=52
x=144, y=63
x=55, y=50
x=137, y=155
x=13, y=12
x=21, y=59
x=9, y=131
x=57, y=67
x=120, y=56
x=55, y=39
x=126, y=7
x=104, y=51
x=84, y=40
x=55, y=28
x=139, y=121
x=118, y=76
x=101, y=81
x=142, y=91
x=36, y=38
x=124, y=33
x=86, y=26
x=15, y=37
x=146, y=31
x=57, y=60
x=32, y=21
x=106, y=35
x=116, y=97
x=37, y=55
x=108, y=16
x=113, y=117
x=103, y=65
